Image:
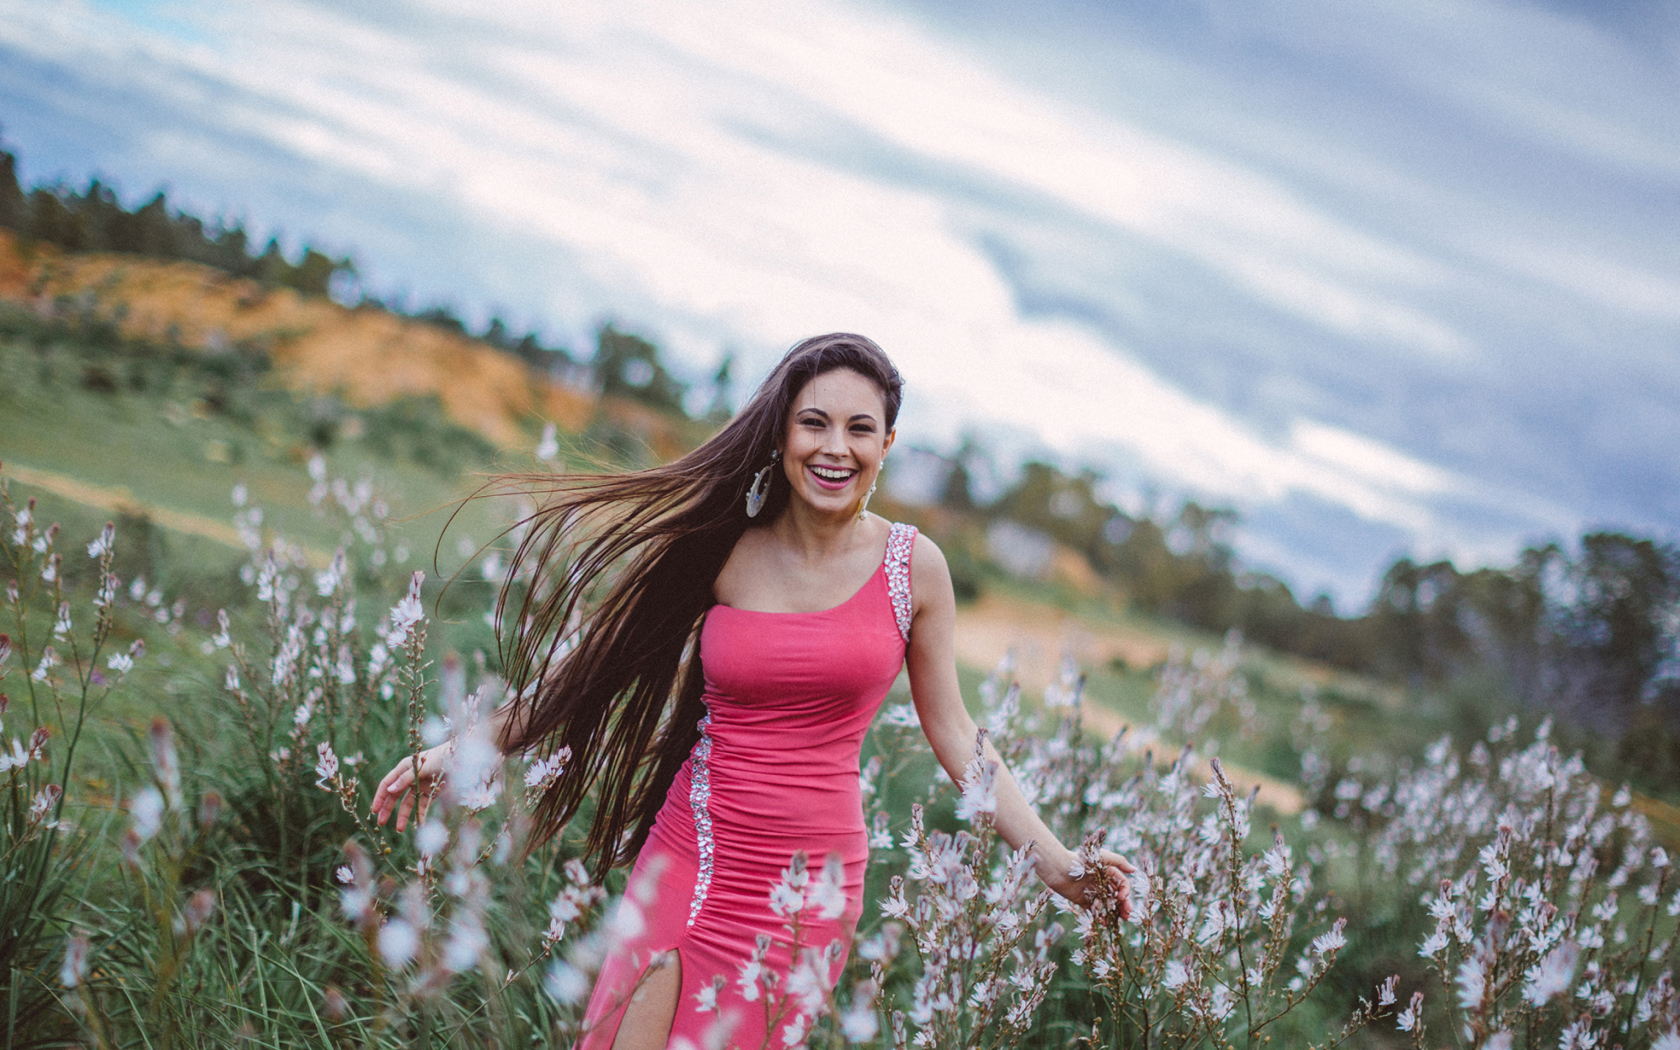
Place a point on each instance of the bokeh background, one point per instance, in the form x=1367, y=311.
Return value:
x=1389, y=278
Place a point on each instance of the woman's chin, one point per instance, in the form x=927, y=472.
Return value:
x=830, y=503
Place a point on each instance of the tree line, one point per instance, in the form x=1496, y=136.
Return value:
x=94, y=219
x=1589, y=629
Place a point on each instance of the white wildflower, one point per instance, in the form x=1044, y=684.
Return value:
x=406, y=613
x=107, y=592
x=147, y=812
x=398, y=943
x=902, y=715
x=542, y=773
x=43, y=801
x=1385, y=990
x=101, y=546
x=1411, y=1015
x=16, y=759
x=751, y=971
x=828, y=895
x=1472, y=983
x=49, y=660
x=328, y=581
x=432, y=837
x=1551, y=975
x=979, y=790
x=858, y=1022
x=1330, y=941
x=705, y=1000
x=326, y=766
x=548, y=446
x=566, y=983
x=75, y=967
x=466, y=944
x=626, y=921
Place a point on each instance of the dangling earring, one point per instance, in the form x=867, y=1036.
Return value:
x=760, y=486
x=865, y=504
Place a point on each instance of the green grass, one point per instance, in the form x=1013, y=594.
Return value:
x=165, y=454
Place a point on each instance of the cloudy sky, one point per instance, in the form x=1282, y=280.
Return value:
x=1388, y=277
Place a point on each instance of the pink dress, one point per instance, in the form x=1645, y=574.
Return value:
x=789, y=697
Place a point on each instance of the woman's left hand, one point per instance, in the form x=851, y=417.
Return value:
x=1083, y=890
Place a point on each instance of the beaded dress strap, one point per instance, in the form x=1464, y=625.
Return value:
x=899, y=543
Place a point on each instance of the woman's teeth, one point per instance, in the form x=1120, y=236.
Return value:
x=833, y=475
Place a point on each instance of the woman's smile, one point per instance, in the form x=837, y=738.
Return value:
x=832, y=478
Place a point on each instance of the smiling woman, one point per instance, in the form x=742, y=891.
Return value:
x=716, y=697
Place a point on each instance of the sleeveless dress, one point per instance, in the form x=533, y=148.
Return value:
x=789, y=697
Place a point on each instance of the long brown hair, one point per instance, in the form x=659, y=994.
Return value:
x=605, y=648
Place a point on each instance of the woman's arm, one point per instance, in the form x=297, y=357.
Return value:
x=416, y=778
x=952, y=732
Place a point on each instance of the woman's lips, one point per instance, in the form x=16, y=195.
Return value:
x=828, y=483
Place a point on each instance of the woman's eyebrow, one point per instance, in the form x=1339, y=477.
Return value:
x=870, y=416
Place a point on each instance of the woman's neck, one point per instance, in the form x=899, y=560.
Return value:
x=813, y=536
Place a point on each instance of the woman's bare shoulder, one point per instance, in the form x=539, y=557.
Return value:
x=930, y=575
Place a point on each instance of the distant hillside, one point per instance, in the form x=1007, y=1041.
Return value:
x=367, y=355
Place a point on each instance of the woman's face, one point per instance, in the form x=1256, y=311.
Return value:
x=835, y=440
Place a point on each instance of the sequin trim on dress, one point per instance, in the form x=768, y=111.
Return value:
x=899, y=542
x=699, y=798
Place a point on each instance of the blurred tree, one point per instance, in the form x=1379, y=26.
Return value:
x=14, y=209
x=723, y=389
x=1618, y=623
x=496, y=334
x=628, y=366
x=95, y=220
x=314, y=272
x=441, y=316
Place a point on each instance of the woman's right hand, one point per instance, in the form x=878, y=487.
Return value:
x=401, y=788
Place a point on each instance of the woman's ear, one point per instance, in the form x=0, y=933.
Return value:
x=892, y=435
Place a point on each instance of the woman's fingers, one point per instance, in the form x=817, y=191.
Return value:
x=1118, y=868
x=401, y=789
x=390, y=789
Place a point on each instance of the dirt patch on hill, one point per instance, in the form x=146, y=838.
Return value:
x=1040, y=635
x=368, y=356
